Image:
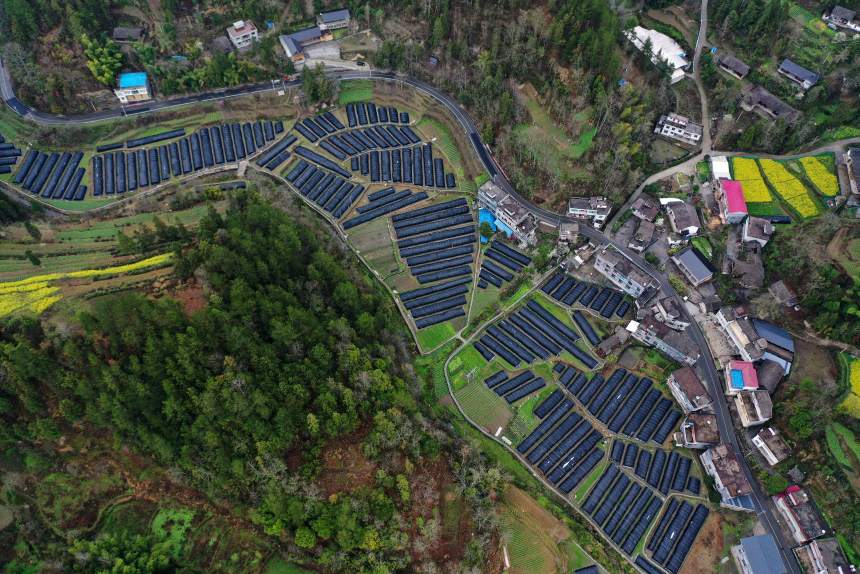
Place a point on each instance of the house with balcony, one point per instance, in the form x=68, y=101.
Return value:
x=679, y=128
x=741, y=333
x=642, y=238
x=623, y=273
x=740, y=376
x=687, y=388
x=682, y=217
x=512, y=218
x=771, y=445
x=796, y=510
x=754, y=407
x=721, y=464
x=757, y=231
x=671, y=343
x=852, y=164
x=243, y=34
x=668, y=310
x=733, y=207
x=698, y=430
x=645, y=208
x=843, y=18
x=593, y=209
x=823, y=556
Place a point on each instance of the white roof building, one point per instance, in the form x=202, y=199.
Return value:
x=720, y=167
x=663, y=48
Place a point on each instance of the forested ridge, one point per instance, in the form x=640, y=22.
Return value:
x=296, y=351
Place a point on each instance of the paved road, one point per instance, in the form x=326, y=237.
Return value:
x=705, y=363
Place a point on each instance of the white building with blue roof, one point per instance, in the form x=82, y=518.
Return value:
x=333, y=20
x=133, y=87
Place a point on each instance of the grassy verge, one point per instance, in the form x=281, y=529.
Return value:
x=433, y=336
x=355, y=91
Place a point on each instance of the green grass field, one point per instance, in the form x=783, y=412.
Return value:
x=355, y=91
x=848, y=438
x=835, y=447
x=467, y=360
x=278, y=565
x=431, y=369
x=172, y=525
x=703, y=245
x=758, y=209
x=435, y=335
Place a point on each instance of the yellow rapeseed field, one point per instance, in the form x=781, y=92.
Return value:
x=755, y=189
x=851, y=404
x=789, y=188
x=35, y=294
x=822, y=178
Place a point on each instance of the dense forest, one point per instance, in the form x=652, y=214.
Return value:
x=295, y=351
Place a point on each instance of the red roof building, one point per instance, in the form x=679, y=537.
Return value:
x=740, y=376
x=733, y=207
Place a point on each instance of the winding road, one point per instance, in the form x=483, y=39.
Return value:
x=762, y=503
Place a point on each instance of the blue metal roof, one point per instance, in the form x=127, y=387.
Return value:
x=334, y=16
x=763, y=555
x=773, y=334
x=799, y=71
x=132, y=80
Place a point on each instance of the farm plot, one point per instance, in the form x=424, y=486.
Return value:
x=746, y=171
x=537, y=541
x=36, y=294
x=484, y=406
x=820, y=171
x=851, y=369
x=789, y=188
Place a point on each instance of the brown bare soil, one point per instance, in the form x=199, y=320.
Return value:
x=191, y=296
x=345, y=467
x=708, y=548
x=813, y=362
